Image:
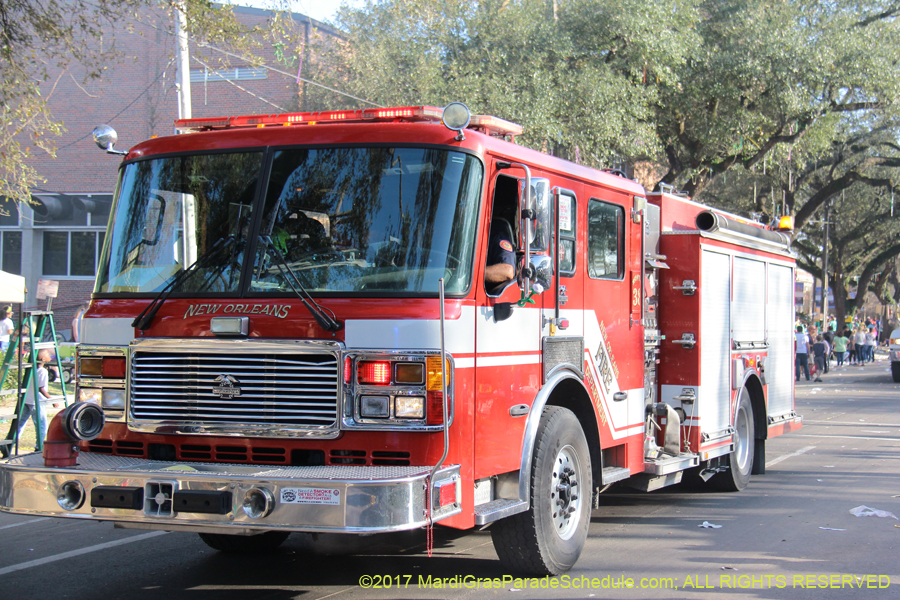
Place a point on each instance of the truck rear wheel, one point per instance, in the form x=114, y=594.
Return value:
x=895, y=371
x=548, y=538
x=740, y=461
x=245, y=544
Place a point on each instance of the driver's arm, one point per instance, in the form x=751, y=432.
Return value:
x=499, y=273
x=501, y=260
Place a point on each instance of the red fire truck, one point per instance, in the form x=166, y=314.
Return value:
x=295, y=328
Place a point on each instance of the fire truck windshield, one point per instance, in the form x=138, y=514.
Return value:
x=343, y=220
x=169, y=212
x=370, y=220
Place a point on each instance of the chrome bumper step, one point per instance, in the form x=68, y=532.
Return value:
x=205, y=496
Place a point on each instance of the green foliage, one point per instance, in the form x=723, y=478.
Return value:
x=574, y=81
x=770, y=74
x=35, y=36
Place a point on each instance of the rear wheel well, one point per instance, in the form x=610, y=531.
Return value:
x=760, y=423
x=570, y=394
x=758, y=404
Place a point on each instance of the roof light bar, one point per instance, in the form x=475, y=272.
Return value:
x=490, y=125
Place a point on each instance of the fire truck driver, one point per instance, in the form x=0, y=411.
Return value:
x=501, y=257
x=299, y=234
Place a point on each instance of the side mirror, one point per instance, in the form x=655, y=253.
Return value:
x=502, y=311
x=541, y=225
x=542, y=270
x=106, y=137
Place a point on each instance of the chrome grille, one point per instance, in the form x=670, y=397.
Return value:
x=270, y=389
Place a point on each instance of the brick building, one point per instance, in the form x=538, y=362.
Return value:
x=60, y=237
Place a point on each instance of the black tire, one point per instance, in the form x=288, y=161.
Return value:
x=740, y=462
x=548, y=538
x=67, y=376
x=245, y=544
x=895, y=371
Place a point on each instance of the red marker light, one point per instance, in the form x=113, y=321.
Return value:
x=434, y=412
x=348, y=366
x=374, y=373
x=113, y=367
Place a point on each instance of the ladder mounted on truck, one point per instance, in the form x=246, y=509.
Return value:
x=37, y=322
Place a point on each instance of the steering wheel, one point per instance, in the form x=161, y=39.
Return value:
x=455, y=262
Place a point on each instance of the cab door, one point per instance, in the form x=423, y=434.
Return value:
x=612, y=297
x=507, y=347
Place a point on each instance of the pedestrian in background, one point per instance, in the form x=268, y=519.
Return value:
x=7, y=328
x=870, y=344
x=802, y=360
x=859, y=338
x=32, y=405
x=820, y=351
x=829, y=338
x=840, y=347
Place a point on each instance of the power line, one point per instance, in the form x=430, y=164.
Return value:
x=118, y=114
x=241, y=88
x=265, y=66
x=291, y=75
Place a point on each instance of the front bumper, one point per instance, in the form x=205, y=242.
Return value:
x=162, y=495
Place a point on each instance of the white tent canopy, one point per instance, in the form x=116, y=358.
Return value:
x=12, y=288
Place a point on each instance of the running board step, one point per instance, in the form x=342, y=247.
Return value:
x=648, y=483
x=498, y=509
x=613, y=474
x=671, y=464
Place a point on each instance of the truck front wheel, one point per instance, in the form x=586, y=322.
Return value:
x=548, y=538
x=245, y=544
x=740, y=462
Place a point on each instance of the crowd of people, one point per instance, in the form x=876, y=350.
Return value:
x=854, y=345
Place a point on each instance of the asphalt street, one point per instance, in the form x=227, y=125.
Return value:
x=790, y=534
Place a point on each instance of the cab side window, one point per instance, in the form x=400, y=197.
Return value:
x=606, y=240
x=567, y=212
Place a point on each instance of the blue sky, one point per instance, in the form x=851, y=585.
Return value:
x=321, y=10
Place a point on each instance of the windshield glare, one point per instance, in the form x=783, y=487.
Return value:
x=369, y=220
x=343, y=220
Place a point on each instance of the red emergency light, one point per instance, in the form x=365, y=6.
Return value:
x=405, y=114
x=374, y=373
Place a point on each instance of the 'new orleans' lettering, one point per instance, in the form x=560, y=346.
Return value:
x=273, y=310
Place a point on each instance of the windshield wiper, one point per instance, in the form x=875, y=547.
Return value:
x=143, y=320
x=324, y=317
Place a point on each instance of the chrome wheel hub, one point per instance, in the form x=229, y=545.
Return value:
x=566, y=501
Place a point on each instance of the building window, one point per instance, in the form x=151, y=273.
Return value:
x=12, y=251
x=606, y=240
x=71, y=253
x=228, y=74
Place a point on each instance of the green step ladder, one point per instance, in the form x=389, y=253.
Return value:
x=37, y=322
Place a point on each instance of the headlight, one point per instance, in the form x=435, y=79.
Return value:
x=409, y=407
x=396, y=389
x=378, y=407
x=91, y=395
x=113, y=399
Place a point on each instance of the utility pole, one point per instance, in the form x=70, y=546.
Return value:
x=183, y=63
x=825, y=268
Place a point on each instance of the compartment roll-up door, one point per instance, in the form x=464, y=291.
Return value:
x=780, y=364
x=714, y=397
x=749, y=300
